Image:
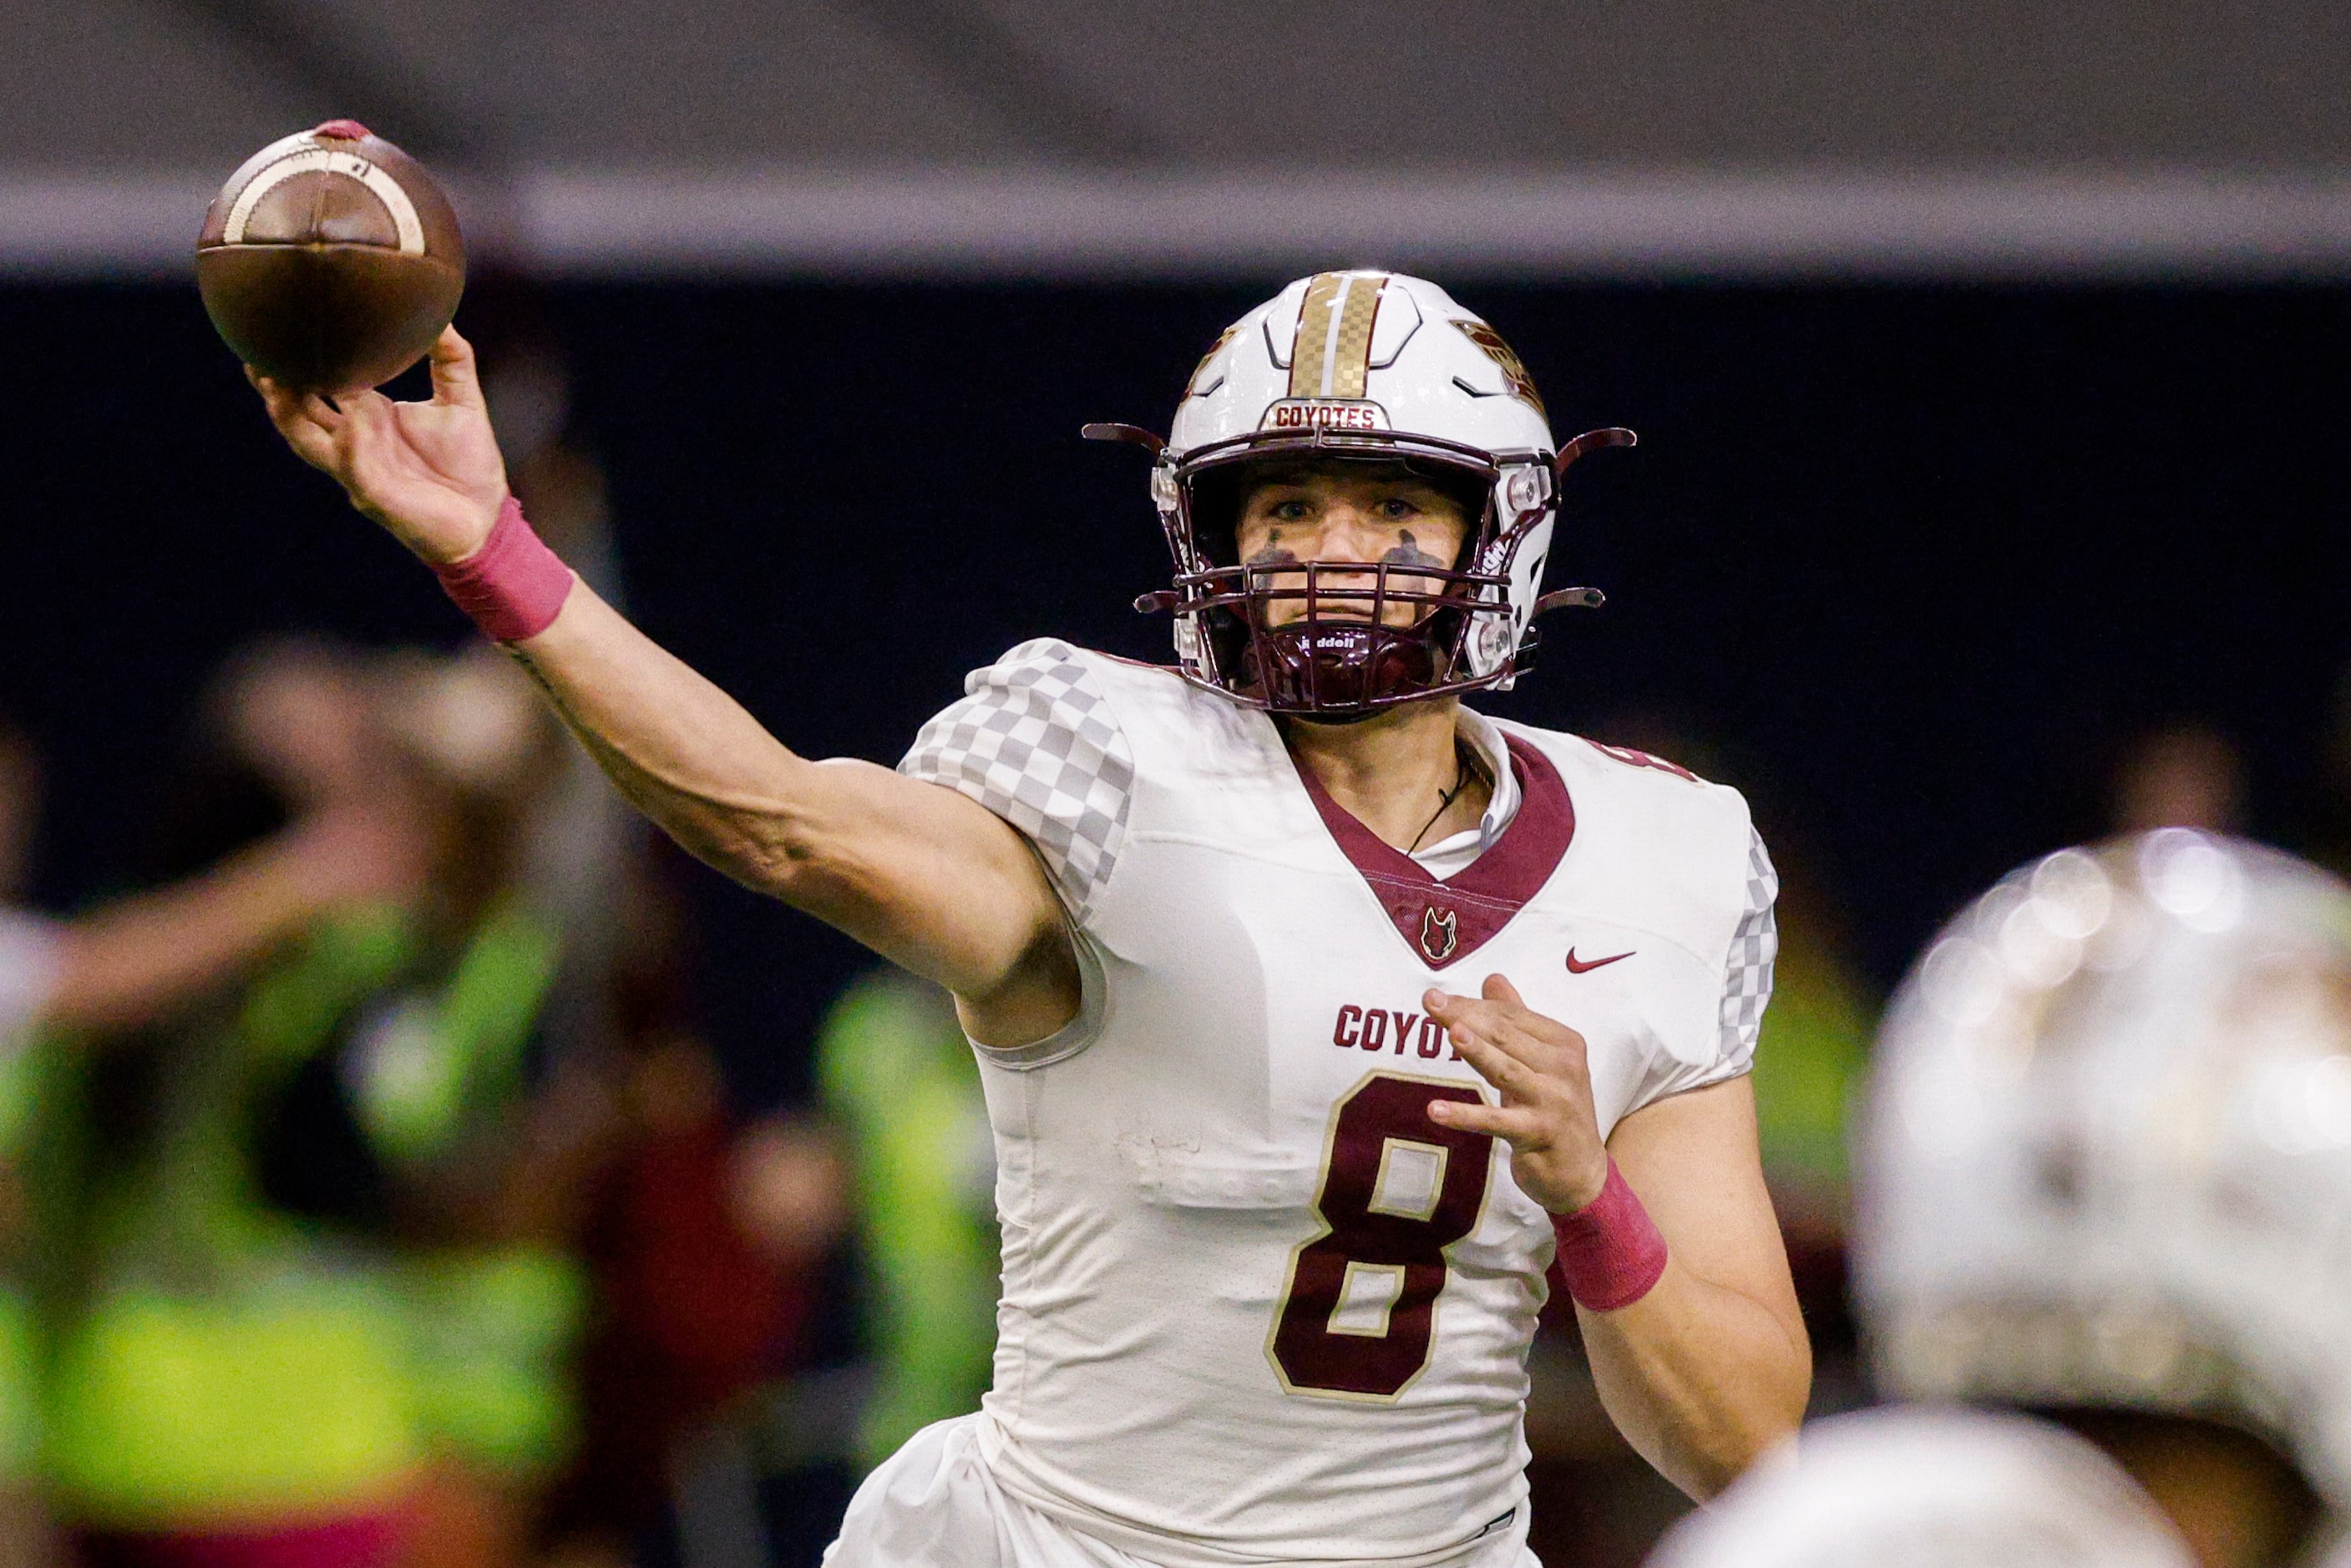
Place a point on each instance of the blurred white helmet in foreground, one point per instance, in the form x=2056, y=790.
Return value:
x=2107, y=1160
x=1928, y=1487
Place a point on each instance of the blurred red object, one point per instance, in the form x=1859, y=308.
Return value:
x=703, y=1242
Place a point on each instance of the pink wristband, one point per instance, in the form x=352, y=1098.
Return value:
x=514, y=586
x=1610, y=1252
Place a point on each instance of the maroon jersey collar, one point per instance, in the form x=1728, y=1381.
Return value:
x=1444, y=923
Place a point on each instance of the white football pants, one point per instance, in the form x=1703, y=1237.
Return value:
x=933, y=1504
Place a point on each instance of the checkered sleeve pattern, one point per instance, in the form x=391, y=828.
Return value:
x=1035, y=741
x=1746, y=973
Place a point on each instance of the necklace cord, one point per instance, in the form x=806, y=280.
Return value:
x=1463, y=770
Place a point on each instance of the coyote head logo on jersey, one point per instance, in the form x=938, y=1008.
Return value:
x=1440, y=933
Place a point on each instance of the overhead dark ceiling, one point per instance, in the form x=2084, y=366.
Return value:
x=1853, y=131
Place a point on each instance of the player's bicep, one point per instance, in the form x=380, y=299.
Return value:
x=925, y=876
x=1693, y=1159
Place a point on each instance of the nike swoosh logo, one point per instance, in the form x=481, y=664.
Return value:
x=1575, y=968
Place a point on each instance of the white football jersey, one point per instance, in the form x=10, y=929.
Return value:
x=1257, y=1307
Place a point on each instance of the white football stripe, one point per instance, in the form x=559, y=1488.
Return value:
x=310, y=158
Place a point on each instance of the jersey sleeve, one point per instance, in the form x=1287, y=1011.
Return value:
x=1035, y=741
x=1747, y=970
x=1745, y=991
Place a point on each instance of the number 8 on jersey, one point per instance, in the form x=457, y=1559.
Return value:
x=1397, y=1189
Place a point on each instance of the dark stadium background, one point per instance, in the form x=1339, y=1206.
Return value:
x=1910, y=563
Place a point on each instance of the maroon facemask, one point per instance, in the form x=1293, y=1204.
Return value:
x=1321, y=667
x=1332, y=639
x=1373, y=635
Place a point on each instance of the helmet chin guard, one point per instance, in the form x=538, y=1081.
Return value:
x=1316, y=667
x=1363, y=638
x=1366, y=367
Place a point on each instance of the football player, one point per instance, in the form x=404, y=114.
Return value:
x=1317, y=1012
x=2106, y=1176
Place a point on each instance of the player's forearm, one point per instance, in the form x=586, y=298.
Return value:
x=133, y=960
x=1699, y=1378
x=681, y=750
x=925, y=878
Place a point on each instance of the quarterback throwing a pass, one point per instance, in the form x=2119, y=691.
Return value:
x=1317, y=1011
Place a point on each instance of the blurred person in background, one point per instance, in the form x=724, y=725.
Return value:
x=295, y=1320
x=898, y=1076
x=135, y=962
x=708, y=1235
x=588, y=838
x=478, y=1098
x=580, y=841
x=790, y=1188
x=1812, y=1057
x=2106, y=1171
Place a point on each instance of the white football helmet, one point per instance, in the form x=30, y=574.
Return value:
x=1920, y=1487
x=1378, y=367
x=2107, y=1156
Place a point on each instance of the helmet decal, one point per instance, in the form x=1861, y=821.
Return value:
x=1515, y=378
x=1325, y=414
x=1193, y=388
x=1333, y=351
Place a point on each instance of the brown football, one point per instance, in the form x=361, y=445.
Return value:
x=330, y=260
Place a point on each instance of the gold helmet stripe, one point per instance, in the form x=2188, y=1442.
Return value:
x=1333, y=351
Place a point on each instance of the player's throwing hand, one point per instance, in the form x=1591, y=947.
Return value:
x=428, y=472
x=1546, y=1114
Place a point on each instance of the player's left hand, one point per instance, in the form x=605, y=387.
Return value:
x=1546, y=1116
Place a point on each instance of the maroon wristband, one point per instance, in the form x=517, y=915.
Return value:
x=1610, y=1254
x=514, y=586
